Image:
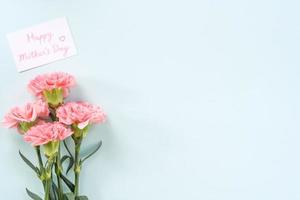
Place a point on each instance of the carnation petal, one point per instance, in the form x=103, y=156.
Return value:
x=82, y=125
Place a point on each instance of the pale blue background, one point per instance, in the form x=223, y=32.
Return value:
x=202, y=97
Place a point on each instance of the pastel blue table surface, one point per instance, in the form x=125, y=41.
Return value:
x=202, y=97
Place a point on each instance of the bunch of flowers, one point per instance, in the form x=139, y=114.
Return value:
x=46, y=124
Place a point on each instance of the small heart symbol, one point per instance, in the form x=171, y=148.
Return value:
x=62, y=38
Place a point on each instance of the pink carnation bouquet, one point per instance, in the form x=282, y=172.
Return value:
x=46, y=124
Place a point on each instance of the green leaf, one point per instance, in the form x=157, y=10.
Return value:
x=64, y=158
x=99, y=144
x=69, y=196
x=81, y=198
x=71, y=162
x=29, y=163
x=68, y=150
x=70, y=185
x=53, y=191
x=32, y=195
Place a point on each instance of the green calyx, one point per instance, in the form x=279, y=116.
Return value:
x=45, y=175
x=51, y=149
x=79, y=133
x=25, y=126
x=54, y=97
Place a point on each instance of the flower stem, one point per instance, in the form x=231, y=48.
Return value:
x=41, y=165
x=47, y=189
x=77, y=167
x=48, y=181
x=58, y=170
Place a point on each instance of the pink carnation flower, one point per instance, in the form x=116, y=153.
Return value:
x=28, y=113
x=42, y=108
x=47, y=132
x=51, y=81
x=80, y=113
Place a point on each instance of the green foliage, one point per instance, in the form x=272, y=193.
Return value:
x=67, y=148
x=81, y=198
x=54, y=191
x=69, y=196
x=71, y=162
x=70, y=185
x=33, y=195
x=32, y=166
x=99, y=144
x=68, y=161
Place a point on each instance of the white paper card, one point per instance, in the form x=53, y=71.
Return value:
x=42, y=44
